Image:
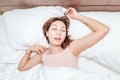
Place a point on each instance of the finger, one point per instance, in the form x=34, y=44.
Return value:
x=69, y=12
x=66, y=12
x=43, y=50
x=38, y=51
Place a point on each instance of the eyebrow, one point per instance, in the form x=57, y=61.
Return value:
x=56, y=25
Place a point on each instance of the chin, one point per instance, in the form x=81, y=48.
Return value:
x=58, y=43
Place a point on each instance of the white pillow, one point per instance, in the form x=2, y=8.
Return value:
x=106, y=52
x=3, y=37
x=24, y=26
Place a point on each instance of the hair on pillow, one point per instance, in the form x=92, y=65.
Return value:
x=24, y=26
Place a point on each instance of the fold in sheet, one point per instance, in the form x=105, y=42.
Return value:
x=67, y=73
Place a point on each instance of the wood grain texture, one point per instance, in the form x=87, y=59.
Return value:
x=80, y=5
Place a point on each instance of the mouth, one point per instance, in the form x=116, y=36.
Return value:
x=57, y=39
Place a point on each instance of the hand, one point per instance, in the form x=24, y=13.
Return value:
x=71, y=12
x=36, y=48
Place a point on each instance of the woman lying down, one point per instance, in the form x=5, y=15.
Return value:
x=60, y=60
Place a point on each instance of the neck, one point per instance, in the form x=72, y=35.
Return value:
x=55, y=49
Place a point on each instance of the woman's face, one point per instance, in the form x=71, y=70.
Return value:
x=56, y=33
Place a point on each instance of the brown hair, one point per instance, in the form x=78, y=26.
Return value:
x=66, y=21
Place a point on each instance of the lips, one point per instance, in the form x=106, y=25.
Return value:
x=58, y=38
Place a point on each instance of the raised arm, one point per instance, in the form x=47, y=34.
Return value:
x=27, y=61
x=99, y=30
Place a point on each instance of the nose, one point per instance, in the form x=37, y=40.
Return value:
x=59, y=33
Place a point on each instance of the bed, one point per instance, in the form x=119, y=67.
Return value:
x=20, y=23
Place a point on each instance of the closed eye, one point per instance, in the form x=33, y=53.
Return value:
x=54, y=28
x=63, y=30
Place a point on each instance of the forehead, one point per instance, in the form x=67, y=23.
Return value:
x=58, y=22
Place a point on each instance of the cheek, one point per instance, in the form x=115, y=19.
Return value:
x=50, y=34
x=64, y=36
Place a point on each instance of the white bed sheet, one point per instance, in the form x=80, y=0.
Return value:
x=93, y=72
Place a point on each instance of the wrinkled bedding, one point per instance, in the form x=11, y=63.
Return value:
x=40, y=72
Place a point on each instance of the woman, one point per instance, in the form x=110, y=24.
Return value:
x=62, y=51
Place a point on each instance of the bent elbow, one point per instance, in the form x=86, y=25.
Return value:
x=103, y=32
x=107, y=29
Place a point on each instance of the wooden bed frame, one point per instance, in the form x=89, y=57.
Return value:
x=80, y=5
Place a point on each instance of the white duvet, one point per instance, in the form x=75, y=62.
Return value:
x=40, y=72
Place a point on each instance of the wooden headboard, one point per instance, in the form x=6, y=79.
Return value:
x=80, y=5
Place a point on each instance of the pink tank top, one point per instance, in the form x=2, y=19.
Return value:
x=64, y=59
